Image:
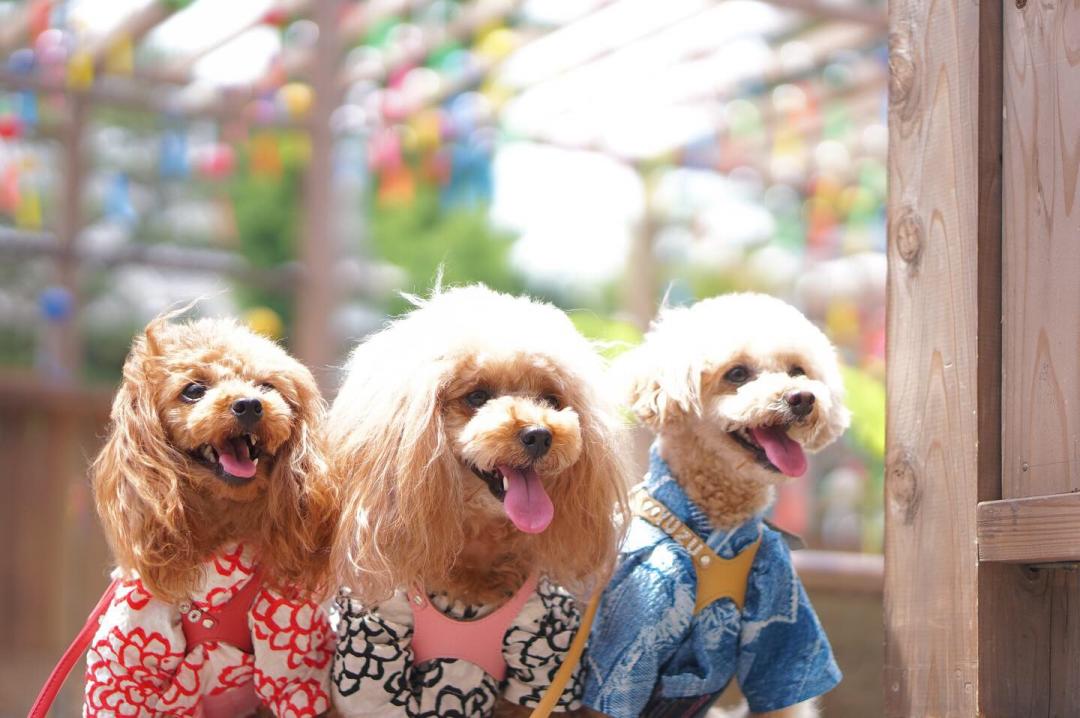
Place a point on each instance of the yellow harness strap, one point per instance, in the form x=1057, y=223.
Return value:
x=717, y=577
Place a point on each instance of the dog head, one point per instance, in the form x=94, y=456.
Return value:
x=476, y=417
x=748, y=376
x=213, y=438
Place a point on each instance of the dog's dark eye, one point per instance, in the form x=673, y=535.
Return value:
x=796, y=371
x=193, y=392
x=267, y=386
x=551, y=400
x=477, y=398
x=737, y=374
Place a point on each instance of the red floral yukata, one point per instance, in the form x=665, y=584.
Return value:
x=138, y=664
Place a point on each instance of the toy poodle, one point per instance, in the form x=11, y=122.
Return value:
x=483, y=474
x=212, y=491
x=737, y=389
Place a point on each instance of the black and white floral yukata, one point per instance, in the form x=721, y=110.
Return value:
x=374, y=673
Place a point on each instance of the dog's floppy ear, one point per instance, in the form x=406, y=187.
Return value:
x=135, y=483
x=300, y=501
x=389, y=459
x=658, y=389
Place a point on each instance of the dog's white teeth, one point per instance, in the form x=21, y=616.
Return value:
x=255, y=462
x=506, y=484
x=208, y=453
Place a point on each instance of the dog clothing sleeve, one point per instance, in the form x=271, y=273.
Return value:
x=293, y=647
x=535, y=645
x=643, y=618
x=784, y=656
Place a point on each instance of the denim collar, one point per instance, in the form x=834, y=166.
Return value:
x=660, y=483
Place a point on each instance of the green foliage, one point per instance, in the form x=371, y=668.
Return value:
x=613, y=336
x=866, y=399
x=422, y=236
x=267, y=214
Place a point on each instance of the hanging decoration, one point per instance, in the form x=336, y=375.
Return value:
x=296, y=98
x=173, y=154
x=10, y=196
x=217, y=161
x=265, y=155
x=120, y=57
x=118, y=206
x=265, y=321
x=11, y=126
x=28, y=211
x=80, y=70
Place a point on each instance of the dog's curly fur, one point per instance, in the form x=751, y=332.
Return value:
x=679, y=387
x=403, y=440
x=164, y=510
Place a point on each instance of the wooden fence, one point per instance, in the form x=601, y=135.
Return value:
x=55, y=563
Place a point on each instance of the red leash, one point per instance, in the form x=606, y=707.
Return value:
x=71, y=656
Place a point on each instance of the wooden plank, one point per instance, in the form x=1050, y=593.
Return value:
x=1042, y=257
x=840, y=572
x=932, y=457
x=1041, y=529
x=1036, y=647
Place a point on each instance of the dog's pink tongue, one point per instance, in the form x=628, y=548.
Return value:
x=783, y=451
x=234, y=457
x=526, y=502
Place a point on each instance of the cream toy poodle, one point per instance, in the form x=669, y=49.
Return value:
x=482, y=471
x=737, y=389
x=211, y=488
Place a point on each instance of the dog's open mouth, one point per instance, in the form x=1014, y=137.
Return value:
x=522, y=493
x=773, y=448
x=235, y=460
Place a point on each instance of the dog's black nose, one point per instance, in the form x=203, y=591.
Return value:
x=801, y=402
x=536, y=440
x=247, y=411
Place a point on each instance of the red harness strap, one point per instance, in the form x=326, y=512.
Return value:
x=226, y=623
x=71, y=656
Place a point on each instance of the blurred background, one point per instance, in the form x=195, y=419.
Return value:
x=300, y=163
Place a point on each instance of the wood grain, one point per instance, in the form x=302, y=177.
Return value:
x=1042, y=529
x=1042, y=255
x=932, y=477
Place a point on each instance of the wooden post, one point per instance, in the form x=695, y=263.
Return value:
x=317, y=292
x=63, y=337
x=943, y=437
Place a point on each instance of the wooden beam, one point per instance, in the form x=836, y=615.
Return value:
x=857, y=13
x=131, y=29
x=840, y=572
x=1040, y=529
x=181, y=68
x=317, y=294
x=934, y=439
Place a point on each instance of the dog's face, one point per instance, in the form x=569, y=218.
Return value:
x=511, y=426
x=475, y=421
x=228, y=402
x=214, y=438
x=753, y=380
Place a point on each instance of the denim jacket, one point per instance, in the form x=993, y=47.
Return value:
x=647, y=647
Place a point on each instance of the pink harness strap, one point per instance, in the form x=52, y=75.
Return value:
x=436, y=635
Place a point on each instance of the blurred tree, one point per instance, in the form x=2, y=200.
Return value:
x=421, y=236
x=267, y=215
